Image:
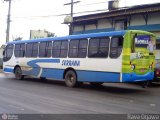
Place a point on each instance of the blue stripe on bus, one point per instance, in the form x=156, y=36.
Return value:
x=89, y=76
x=52, y=73
x=95, y=76
x=83, y=76
x=8, y=70
x=132, y=77
x=36, y=68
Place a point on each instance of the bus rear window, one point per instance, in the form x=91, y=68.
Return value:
x=142, y=41
x=145, y=41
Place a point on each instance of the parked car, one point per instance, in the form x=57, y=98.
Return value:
x=157, y=75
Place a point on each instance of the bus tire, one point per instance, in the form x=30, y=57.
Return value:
x=70, y=78
x=96, y=83
x=18, y=73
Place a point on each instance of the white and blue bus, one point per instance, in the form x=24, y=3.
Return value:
x=118, y=56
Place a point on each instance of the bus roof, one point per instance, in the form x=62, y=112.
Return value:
x=80, y=36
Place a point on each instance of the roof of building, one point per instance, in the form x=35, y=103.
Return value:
x=124, y=11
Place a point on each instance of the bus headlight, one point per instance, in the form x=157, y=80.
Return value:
x=132, y=67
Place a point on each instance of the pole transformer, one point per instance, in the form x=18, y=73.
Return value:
x=71, y=14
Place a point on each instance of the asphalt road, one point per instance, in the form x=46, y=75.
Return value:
x=32, y=96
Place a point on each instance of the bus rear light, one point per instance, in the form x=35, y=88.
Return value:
x=132, y=67
x=157, y=73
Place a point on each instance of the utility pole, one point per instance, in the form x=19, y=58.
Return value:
x=71, y=3
x=8, y=20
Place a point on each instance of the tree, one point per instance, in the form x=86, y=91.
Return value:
x=18, y=38
x=51, y=34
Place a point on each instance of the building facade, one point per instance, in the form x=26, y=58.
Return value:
x=142, y=17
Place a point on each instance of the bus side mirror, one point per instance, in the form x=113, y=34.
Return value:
x=3, y=53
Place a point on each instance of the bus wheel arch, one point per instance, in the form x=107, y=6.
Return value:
x=70, y=77
x=18, y=72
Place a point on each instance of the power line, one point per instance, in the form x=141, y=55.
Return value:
x=59, y=15
x=90, y=4
x=47, y=16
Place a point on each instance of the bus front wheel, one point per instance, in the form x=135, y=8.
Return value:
x=18, y=73
x=70, y=78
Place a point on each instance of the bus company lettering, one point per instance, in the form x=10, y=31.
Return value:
x=141, y=41
x=70, y=63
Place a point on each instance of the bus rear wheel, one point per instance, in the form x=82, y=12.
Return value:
x=18, y=73
x=71, y=78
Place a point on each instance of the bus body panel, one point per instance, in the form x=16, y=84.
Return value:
x=54, y=68
x=141, y=71
x=87, y=69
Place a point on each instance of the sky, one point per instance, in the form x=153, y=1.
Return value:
x=48, y=15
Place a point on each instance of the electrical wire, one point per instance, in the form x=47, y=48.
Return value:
x=90, y=4
x=60, y=15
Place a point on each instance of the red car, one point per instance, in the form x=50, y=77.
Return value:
x=157, y=74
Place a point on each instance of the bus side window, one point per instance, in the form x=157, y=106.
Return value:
x=29, y=47
x=98, y=47
x=48, y=49
x=64, y=49
x=82, y=50
x=22, y=51
x=45, y=49
x=35, y=50
x=78, y=48
x=116, y=47
x=32, y=50
x=73, y=48
x=56, y=50
x=42, y=49
x=19, y=50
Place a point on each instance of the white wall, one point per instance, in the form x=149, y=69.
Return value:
x=90, y=27
x=154, y=18
x=78, y=28
x=104, y=23
x=137, y=20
